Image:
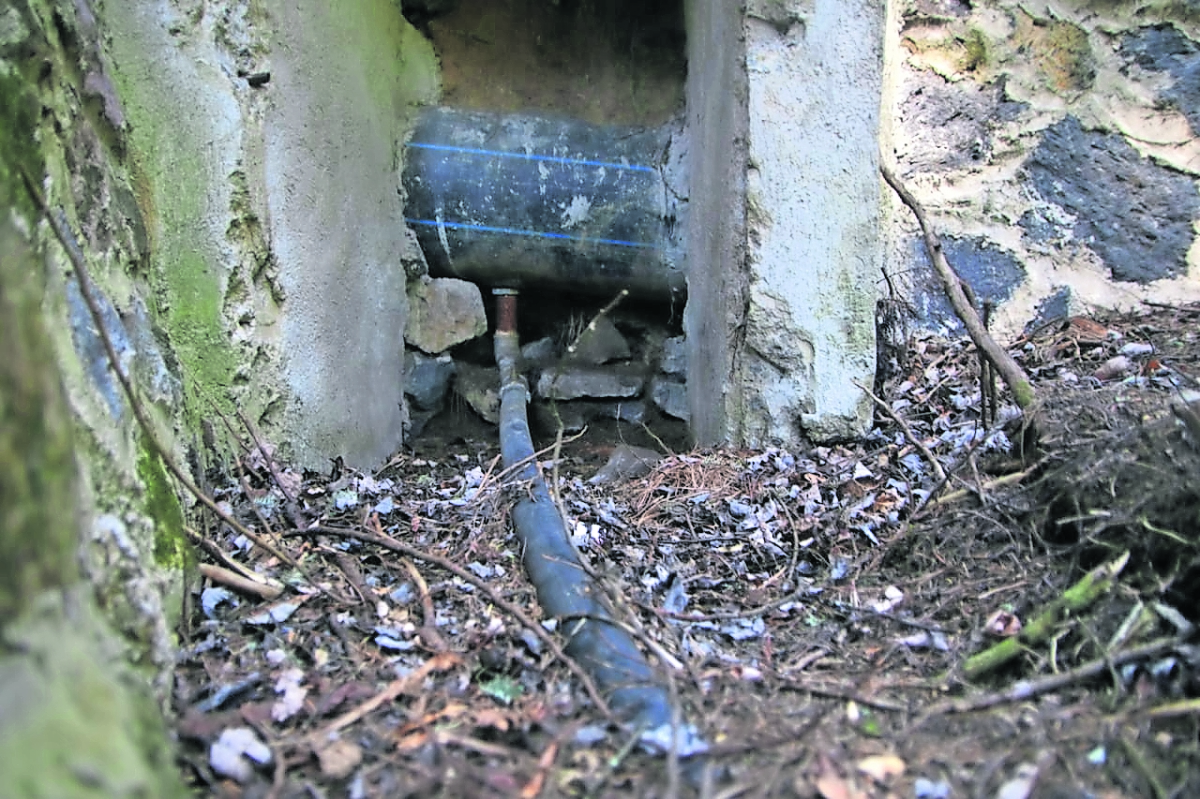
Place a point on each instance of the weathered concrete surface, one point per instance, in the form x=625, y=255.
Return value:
x=343, y=85
x=75, y=720
x=62, y=124
x=815, y=76
x=1061, y=134
x=279, y=242
x=717, y=119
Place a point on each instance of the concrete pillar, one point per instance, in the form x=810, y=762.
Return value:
x=716, y=236
x=785, y=248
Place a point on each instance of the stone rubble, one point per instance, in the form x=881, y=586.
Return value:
x=443, y=312
x=575, y=377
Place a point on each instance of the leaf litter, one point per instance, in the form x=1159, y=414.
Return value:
x=811, y=610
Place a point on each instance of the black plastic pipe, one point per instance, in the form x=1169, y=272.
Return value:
x=518, y=201
x=565, y=591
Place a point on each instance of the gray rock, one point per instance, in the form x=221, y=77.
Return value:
x=633, y=411
x=571, y=416
x=671, y=397
x=539, y=353
x=992, y=272
x=674, y=356
x=427, y=378
x=479, y=386
x=1135, y=215
x=1164, y=48
x=599, y=343
x=574, y=415
x=417, y=422
x=443, y=312
x=626, y=463
x=575, y=382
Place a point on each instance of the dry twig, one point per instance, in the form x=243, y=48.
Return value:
x=67, y=239
x=379, y=538
x=1013, y=374
x=934, y=464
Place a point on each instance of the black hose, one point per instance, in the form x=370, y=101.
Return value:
x=564, y=589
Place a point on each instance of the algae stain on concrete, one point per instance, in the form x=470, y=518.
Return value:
x=74, y=721
x=37, y=463
x=171, y=549
x=179, y=152
x=75, y=725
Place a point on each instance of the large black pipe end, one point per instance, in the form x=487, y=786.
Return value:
x=517, y=201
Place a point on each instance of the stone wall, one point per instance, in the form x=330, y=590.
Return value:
x=1055, y=145
x=228, y=172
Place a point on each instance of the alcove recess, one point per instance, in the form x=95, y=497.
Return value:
x=616, y=64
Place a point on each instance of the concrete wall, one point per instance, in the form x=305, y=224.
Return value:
x=784, y=250
x=815, y=70
x=243, y=245
x=344, y=85
x=274, y=220
x=80, y=689
x=1055, y=146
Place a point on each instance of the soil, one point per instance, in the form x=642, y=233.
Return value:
x=814, y=613
x=602, y=61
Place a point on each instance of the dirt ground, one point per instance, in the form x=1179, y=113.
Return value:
x=818, y=615
x=603, y=61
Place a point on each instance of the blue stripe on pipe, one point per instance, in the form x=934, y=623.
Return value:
x=536, y=234
x=529, y=157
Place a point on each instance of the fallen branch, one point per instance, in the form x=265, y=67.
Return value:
x=1013, y=374
x=1078, y=597
x=223, y=576
x=67, y=239
x=999, y=482
x=1027, y=689
x=428, y=632
x=439, y=662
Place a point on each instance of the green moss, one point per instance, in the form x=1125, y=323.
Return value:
x=179, y=140
x=1060, y=50
x=391, y=51
x=38, y=525
x=162, y=505
x=19, y=150
x=976, y=45
x=75, y=723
